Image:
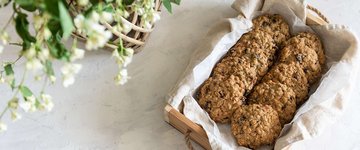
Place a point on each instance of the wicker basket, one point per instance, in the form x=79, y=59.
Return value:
x=134, y=39
x=193, y=131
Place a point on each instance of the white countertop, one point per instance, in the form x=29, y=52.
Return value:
x=96, y=114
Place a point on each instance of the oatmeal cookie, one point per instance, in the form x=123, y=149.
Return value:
x=260, y=62
x=292, y=76
x=220, y=97
x=249, y=68
x=305, y=56
x=275, y=25
x=254, y=42
x=310, y=40
x=279, y=96
x=255, y=125
x=240, y=67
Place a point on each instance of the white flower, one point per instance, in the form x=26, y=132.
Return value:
x=1, y=49
x=44, y=54
x=146, y=24
x=4, y=37
x=68, y=71
x=126, y=28
x=15, y=116
x=33, y=64
x=31, y=52
x=127, y=59
x=120, y=13
x=126, y=14
x=155, y=17
x=83, y=2
x=68, y=80
x=117, y=28
x=48, y=104
x=3, y=127
x=2, y=79
x=79, y=22
x=77, y=53
x=29, y=104
x=140, y=11
x=46, y=33
x=129, y=51
x=98, y=37
x=95, y=17
x=25, y=106
x=14, y=103
x=43, y=34
x=122, y=77
x=31, y=99
x=115, y=53
x=107, y=17
x=52, y=79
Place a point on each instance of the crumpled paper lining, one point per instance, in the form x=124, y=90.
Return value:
x=328, y=97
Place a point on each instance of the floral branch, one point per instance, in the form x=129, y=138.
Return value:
x=54, y=21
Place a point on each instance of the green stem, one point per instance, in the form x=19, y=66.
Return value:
x=15, y=94
x=3, y=112
x=16, y=44
x=17, y=59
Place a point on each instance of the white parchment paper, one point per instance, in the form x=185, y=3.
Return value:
x=328, y=97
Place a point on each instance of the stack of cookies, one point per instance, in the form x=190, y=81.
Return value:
x=244, y=65
x=257, y=97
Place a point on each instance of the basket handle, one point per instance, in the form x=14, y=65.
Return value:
x=321, y=15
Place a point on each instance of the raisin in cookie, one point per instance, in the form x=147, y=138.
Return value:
x=255, y=125
x=220, y=96
x=312, y=41
x=305, y=56
x=292, y=76
x=279, y=96
x=275, y=25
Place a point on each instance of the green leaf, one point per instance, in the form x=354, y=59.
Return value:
x=26, y=45
x=128, y=2
x=22, y=27
x=9, y=70
x=167, y=5
x=52, y=7
x=25, y=91
x=24, y=2
x=28, y=5
x=108, y=8
x=54, y=26
x=94, y=2
x=177, y=2
x=66, y=21
x=58, y=49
